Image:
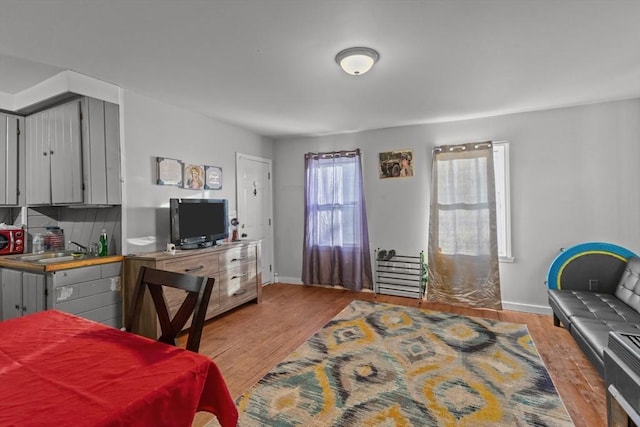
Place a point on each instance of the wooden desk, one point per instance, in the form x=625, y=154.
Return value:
x=63, y=370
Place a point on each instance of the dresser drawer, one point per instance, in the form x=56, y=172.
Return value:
x=203, y=265
x=237, y=256
x=238, y=285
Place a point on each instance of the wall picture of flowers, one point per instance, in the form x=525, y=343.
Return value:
x=169, y=171
x=193, y=176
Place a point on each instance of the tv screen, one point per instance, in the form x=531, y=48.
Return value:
x=197, y=223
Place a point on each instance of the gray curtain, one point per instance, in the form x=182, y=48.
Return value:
x=463, y=247
x=336, y=240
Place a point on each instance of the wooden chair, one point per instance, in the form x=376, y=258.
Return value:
x=198, y=293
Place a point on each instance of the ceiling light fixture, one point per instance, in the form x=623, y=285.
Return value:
x=357, y=60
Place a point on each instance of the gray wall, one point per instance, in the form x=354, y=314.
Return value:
x=575, y=175
x=154, y=129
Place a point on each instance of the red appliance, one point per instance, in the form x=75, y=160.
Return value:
x=11, y=240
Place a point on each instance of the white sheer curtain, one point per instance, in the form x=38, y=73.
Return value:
x=336, y=240
x=463, y=248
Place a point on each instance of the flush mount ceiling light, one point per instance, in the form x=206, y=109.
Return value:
x=357, y=60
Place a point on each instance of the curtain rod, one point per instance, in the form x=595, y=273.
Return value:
x=334, y=154
x=464, y=147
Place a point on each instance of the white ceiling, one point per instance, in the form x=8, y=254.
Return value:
x=268, y=65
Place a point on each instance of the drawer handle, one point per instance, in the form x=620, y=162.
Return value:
x=239, y=277
x=239, y=259
x=240, y=292
x=190, y=270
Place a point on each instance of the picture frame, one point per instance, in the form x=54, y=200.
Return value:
x=169, y=171
x=193, y=176
x=396, y=164
x=213, y=178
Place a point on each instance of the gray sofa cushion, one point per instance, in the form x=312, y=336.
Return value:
x=628, y=290
x=592, y=336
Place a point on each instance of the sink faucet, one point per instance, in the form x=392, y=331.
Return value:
x=84, y=248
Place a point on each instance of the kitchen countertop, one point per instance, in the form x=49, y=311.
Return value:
x=13, y=261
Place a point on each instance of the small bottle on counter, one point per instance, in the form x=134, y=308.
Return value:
x=104, y=249
x=37, y=245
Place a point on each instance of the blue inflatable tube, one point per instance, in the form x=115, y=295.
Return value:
x=560, y=263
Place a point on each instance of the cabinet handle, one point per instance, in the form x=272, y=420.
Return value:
x=24, y=308
x=239, y=259
x=238, y=277
x=44, y=153
x=190, y=270
x=240, y=292
x=17, y=307
x=51, y=152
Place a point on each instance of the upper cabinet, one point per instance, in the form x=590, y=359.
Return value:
x=11, y=154
x=101, y=152
x=54, y=156
x=73, y=154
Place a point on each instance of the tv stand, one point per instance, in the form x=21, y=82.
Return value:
x=236, y=266
x=198, y=245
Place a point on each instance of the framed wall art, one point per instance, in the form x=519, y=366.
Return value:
x=193, y=176
x=169, y=171
x=395, y=164
x=213, y=178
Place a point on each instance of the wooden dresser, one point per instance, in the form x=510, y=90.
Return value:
x=236, y=266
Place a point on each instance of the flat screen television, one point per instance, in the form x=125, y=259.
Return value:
x=198, y=223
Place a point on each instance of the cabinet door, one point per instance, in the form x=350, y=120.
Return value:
x=101, y=152
x=33, y=297
x=65, y=153
x=11, y=293
x=54, y=155
x=8, y=160
x=37, y=154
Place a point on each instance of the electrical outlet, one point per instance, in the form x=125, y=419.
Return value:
x=593, y=284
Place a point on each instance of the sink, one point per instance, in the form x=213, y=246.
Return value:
x=50, y=257
x=56, y=259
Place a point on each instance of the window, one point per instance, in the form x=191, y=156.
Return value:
x=336, y=241
x=503, y=210
x=335, y=202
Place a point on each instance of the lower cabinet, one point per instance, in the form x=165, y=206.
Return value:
x=235, y=266
x=22, y=293
x=92, y=292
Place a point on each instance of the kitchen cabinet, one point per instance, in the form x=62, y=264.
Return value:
x=73, y=154
x=92, y=292
x=54, y=156
x=101, y=152
x=11, y=171
x=22, y=293
x=235, y=267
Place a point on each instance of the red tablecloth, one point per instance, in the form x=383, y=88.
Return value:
x=57, y=369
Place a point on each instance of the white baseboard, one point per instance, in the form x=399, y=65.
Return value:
x=290, y=280
x=527, y=308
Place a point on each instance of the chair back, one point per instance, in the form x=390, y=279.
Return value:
x=198, y=293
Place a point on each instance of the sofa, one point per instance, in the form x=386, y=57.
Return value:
x=590, y=315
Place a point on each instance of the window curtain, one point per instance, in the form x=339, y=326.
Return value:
x=336, y=240
x=463, y=248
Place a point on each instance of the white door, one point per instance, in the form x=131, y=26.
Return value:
x=253, y=192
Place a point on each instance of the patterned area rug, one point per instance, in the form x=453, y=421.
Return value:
x=382, y=364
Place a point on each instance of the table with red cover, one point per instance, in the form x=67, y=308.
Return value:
x=58, y=369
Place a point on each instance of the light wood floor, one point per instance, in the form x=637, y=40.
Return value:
x=249, y=341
